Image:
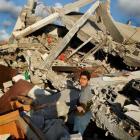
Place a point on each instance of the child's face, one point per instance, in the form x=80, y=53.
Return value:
x=83, y=80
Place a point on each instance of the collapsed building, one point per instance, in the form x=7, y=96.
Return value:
x=40, y=66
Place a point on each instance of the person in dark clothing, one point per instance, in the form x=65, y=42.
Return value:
x=83, y=113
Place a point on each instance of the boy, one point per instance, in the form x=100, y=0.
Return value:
x=83, y=113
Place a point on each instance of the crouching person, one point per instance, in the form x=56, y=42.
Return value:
x=83, y=113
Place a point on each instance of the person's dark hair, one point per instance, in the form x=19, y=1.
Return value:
x=86, y=73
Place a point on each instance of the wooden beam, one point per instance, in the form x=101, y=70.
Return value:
x=67, y=69
x=51, y=18
x=62, y=44
x=9, y=117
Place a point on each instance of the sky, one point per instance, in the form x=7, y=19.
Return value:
x=121, y=10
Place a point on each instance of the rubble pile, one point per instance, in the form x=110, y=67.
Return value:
x=113, y=109
x=41, y=63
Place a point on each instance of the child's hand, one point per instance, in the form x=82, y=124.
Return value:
x=80, y=109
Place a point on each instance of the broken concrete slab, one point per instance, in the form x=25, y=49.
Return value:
x=54, y=78
x=104, y=13
x=132, y=107
x=36, y=26
x=62, y=44
x=51, y=18
x=124, y=79
x=7, y=84
x=89, y=29
x=131, y=33
x=135, y=115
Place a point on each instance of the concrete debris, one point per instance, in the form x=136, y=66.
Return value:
x=64, y=42
x=121, y=99
x=51, y=18
x=133, y=115
x=18, y=77
x=41, y=63
x=133, y=112
x=104, y=13
x=7, y=85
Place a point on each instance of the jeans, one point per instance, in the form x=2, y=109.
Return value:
x=81, y=122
